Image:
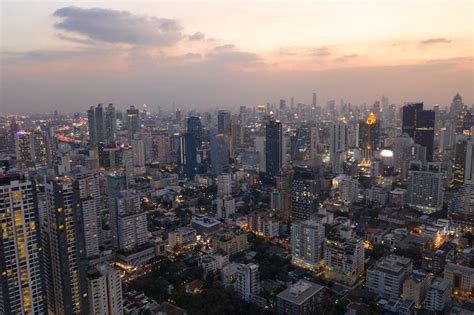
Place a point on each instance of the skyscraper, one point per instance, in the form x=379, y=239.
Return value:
x=21, y=286
x=419, y=125
x=91, y=123
x=110, y=124
x=460, y=162
x=89, y=201
x=194, y=127
x=63, y=246
x=187, y=155
x=337, y=146
x=116, y=182
x=282, y=105
x=469, y=168
x=100, y=123
x=219, y=154
x=133, y=122
x=273, y=147
x=303, y=193
x=223, y=122
x=24, y=149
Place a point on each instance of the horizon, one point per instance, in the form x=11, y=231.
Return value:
x=205, y=55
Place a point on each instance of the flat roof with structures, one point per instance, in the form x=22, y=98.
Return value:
x=300, y=292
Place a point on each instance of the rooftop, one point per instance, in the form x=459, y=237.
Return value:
x=299, y=292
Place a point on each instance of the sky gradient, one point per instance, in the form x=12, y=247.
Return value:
x=66, y=56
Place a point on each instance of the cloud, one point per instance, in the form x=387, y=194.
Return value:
x=113, y=26
x=346, y=58
x=224, y=47
x=228, y=54
x=440, y=40
x=191, y=55
x=55, y=55
x=196, y=36
x=320, y=52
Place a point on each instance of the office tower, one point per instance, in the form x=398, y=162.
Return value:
x=178, y=115
x=469, y=167
x=138, y=148
x=307, y=238
x=110, y=125
x=337, y=146
x=91, y=123
x=224, y=184
x=21, y=285
x=223, y=122
x=248, y=281
x=187, y=155
x=219, y=153
x=133, y=122
x=425, y=188
x=63, y=247
x=369, y=133
x=344, y=259
x=100, y=123
x=464, y=121
x=314, y=100
x=126, y=163
x=116, y=182
x=456, y=106
x=89, y=201
x=282, y=105
x=105, y=291
x=439, y=294
x=260, y=149
x=273, y=147
x=303, y=193
x=131, y=221
x=24, y=148
x=388, y=275
x=460, y=162
x=194, y=127
x=236, y=137
x=403, y=143
x=40, y=144
x=419, y=125
x=302, y=298
x=161, y=147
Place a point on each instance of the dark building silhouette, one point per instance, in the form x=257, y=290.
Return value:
x=419, y=125
x=273, y=147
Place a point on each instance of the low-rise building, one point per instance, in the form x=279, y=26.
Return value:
x=388, y=275
x=302, y=298
x=205, y=225
x=231, y=242
x=439, y=294
x=415, y=287
x=460, y=278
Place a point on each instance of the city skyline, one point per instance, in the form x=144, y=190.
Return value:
x=207, y=55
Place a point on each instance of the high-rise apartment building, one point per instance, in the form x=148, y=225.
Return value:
x=307, y=238
x=425, y=188
x=388, y=275
x=110, y=124
x=337, y=146
x=133, y=122
x=303, y=193
x=248, y=281
x=63, y=247
x=21, y=284
x=105, y=291
x=223, y=122
x=219, y=153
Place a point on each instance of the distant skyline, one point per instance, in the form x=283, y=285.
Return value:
x=69, y=56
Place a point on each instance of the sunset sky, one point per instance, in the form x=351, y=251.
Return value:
x=68, y=56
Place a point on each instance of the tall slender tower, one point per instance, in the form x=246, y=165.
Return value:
x=110, y=124
x=273, y=147
x=63, y=245
x=21, y=286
